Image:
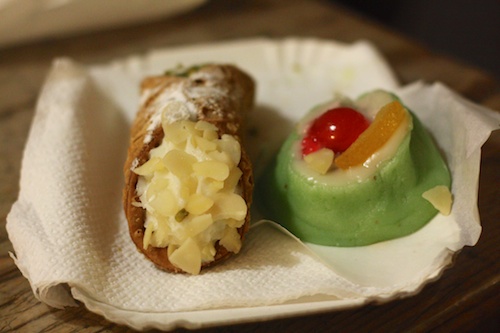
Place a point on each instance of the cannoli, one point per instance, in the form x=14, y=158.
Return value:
x=357, y=172
x=188, y=180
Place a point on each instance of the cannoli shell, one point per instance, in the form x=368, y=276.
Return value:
x=225, y=109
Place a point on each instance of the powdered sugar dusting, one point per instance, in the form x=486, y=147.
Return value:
x=175, y=102
x=135, y=163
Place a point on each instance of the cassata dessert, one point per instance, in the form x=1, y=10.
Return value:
x=355, y=173
x=188, y=179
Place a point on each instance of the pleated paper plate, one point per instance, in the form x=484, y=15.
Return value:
x=293, y=75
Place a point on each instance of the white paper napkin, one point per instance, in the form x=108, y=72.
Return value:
x=460, y=128
x=68, y=228
x=68, y=225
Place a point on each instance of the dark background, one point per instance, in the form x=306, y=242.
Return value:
x=467, y=30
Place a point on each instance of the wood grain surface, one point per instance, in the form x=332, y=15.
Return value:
x=465, y=299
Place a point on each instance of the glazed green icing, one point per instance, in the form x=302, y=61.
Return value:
x=385, y=206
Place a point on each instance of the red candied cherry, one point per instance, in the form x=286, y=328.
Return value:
x=336, y=129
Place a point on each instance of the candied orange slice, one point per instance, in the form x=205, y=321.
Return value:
x=390, y=117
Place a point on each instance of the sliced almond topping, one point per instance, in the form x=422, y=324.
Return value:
x=179, y=163
x=199, y=224
x=440, y=197
x=149, y=167
x=176, y=132
x=164, y=203
x=204, y=144
x=187, y=257
x=320, y=160
x=233, y=179
x=191, y=193
x=231, y=240
x=199, y=204
x=147, y=235
x=230, y=145
x=211, y=169
x=229, y=206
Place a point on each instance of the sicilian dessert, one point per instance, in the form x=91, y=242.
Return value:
x=188, y=180
x=357, y=172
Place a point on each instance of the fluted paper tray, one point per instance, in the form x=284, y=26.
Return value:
x=68, y=228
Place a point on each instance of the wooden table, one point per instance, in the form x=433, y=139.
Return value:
x=465, y=298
